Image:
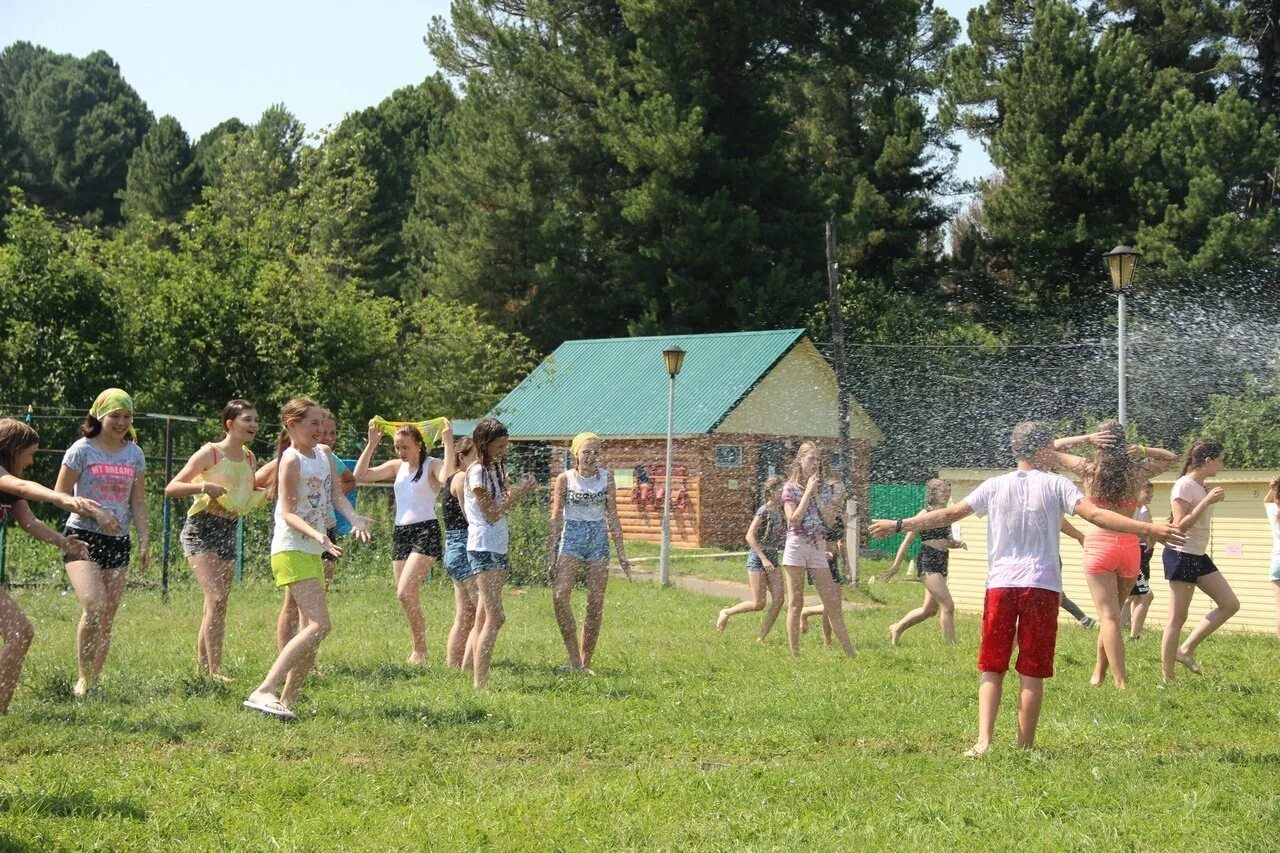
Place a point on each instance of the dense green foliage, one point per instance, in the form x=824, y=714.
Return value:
x=640, y=166
x=684, y=740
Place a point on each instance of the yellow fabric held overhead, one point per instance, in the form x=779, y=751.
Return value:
x=429, y=430
x=113, y=400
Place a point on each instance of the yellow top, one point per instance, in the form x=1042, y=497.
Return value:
x=429, y=430
x=237, y=478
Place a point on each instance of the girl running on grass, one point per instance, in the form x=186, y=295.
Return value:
x=1272, y=506
x=1187, y=567
x=584, y=498
x=456, y=563
x=1112, y=561
x=220, y=476
x=415, y=540
x=1140, y=597
x=805, y=550
x=765, y=537
x=307, y=482
x=487, y=502
x=105, y=465
x=18, y=445
x=931, y=567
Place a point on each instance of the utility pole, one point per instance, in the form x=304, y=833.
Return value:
x=842, y=397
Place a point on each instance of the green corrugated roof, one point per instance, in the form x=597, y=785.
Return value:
x=618, y=386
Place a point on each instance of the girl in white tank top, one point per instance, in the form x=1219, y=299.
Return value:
x=416, y=542
x=584, y=497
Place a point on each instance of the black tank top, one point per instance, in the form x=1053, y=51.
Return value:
x=451, y=511
x=935, y=533
x=6, y=505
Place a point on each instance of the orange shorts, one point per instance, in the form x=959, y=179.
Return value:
x=1105, y=552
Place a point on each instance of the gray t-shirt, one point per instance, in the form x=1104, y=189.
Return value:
x=107, y=478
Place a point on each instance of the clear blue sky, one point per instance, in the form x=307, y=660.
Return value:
x=204, y=63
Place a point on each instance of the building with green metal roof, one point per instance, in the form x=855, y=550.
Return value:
x=744, y=402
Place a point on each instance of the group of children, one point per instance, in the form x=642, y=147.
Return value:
x=794, y=537
x=101, y=485
x=1025, y=510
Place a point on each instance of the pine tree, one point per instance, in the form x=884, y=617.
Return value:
x=162, y=181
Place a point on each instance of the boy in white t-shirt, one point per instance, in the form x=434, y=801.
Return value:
x=1024, y=510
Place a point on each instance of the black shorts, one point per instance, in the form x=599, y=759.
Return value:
x=209, y=534
x=1142, y=586
x=332, y=533
x=420, y=538
x=931, y=561
x=109, y=552
x=1187, y=568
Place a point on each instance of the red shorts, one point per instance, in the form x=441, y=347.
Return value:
x=1030, y=614
x=1105, y=552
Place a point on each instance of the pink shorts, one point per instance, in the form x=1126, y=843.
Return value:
x=1105, y=551
x=1030, y=614
x=802, y=552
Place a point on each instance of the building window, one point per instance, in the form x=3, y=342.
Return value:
x=728, y=455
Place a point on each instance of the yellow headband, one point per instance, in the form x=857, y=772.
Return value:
x=113, y=400
x=429, y=430
x=575, y=447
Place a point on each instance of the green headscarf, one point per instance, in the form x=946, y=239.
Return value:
x=113, y=400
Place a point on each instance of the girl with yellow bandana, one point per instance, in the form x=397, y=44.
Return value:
x=220, y=477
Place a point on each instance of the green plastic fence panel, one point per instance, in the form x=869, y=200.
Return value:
x=895, y=500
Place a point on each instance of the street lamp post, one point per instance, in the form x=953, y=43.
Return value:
x=673, y=357
x=1121, y=262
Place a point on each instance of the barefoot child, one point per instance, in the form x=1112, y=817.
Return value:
x=308, y=482
x=931, y=567
x=415, y=540
x=1140, y=597
x=18, y=444
x=220, y=476
x=105, y=465
x=1187, y=567
x=489, y=499
x=1024, y=510
x=584, y=512
x=456, y=564
x=766, y=537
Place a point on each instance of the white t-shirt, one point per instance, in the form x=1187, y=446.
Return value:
x=481, y=535
x=1024, y=512
x=1192, y=492
x=584, y=496
x=415, y=502
x=1273, y=512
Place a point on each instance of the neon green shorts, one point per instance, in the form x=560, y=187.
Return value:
x=289, y=567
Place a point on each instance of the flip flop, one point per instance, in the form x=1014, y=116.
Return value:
x=272, y=709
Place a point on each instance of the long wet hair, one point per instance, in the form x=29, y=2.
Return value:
x=461, y=447
x=293, y=411
x=933, y=491
x=484, y=435
x=794, y=473
x=1201, y=452
x=15, y=437
x=1113, y=470
x=411, y=432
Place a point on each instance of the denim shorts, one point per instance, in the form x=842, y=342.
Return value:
x=754, y=564
x=586, y=540
x=487, y=561
x=1275, y=567
x=456, y=563
x=209, y=534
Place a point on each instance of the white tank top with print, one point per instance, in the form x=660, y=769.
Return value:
x=584, y=496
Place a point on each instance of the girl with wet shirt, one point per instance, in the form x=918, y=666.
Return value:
x=415, y=541
x=584, y=497
x=804, y=507
x=220, y=476
x=308, y=483
x=18, y=445
x=105, y=465
x=1188, y=567
x=488, y=500
x=766, y=537
x=932, y=562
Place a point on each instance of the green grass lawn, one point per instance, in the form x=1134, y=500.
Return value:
x=685, y=740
